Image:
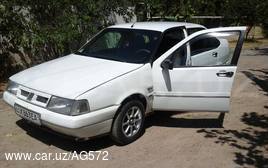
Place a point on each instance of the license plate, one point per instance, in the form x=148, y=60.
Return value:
x=27, y=114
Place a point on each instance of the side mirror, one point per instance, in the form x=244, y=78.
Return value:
x=167, y=64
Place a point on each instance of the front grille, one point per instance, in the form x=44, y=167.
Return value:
x=33, y=96
x=24, y=93
x=42, y=99
x=30, y=96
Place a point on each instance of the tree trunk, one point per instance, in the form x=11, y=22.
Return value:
x=248, y=30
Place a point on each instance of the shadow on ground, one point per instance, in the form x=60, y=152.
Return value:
x=166, y=119
x=251, y=143
x=260, y=80
x=64, y=142
x=162, y=118
x=262, y=51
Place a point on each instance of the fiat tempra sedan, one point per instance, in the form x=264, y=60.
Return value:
x=125, y=72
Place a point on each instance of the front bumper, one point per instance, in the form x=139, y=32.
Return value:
x=82, y=126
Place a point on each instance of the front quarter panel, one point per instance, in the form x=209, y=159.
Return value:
x=115, y=91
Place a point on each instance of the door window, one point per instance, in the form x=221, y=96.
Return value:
x=203, y=43
x=211, y=49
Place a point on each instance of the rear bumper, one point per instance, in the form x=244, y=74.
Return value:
x=82, y=126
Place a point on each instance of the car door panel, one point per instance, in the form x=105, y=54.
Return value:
x=199, y=88
x=192, y=91
x=197, y=104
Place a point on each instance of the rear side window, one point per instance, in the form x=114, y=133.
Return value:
x=170, y=38
x=193, y=30
x=203, y=43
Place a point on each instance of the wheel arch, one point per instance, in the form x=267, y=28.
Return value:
x=134, y=96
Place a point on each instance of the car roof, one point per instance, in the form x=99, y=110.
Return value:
x=156, y=26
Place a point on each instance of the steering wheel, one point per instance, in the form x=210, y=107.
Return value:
x=143, y=50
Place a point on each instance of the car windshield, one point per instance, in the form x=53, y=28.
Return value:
x=124, y=45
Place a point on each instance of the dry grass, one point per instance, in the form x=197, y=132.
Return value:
x=256, y=32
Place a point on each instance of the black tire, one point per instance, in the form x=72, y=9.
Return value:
x=117, y=133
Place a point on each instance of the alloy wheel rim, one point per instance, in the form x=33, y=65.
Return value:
x=132, y=121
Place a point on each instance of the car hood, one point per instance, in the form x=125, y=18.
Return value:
x=72, y=75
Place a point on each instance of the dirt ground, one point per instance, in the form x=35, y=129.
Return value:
x=171, y=139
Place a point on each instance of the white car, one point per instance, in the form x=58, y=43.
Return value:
x=125, y=72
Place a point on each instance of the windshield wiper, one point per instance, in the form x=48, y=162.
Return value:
x=80, y=53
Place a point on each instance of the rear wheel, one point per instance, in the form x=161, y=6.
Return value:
x=128, y=123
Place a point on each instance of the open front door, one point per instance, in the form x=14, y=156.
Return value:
x=199, y=79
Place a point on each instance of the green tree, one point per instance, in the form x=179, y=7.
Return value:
x=37, y=31
x=235, y=12
x=245, y=12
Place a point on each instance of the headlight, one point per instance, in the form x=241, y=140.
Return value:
x=60, y=105
x=68, y=106
x=12, y=87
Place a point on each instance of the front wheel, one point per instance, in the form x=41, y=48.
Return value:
x=128, y=123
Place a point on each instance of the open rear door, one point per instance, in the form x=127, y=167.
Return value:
x=199, y=79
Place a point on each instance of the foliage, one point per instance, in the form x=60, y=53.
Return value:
x=235, y=12
x=37, y=31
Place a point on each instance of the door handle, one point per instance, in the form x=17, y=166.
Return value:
x=215, y=54
x=225, y=74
